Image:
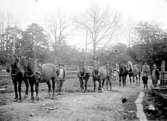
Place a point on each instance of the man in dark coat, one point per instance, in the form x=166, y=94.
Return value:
x=155, y=75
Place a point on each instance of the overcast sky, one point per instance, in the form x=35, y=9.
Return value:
x=132, y=11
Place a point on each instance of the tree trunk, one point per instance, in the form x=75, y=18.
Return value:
x=94, y=54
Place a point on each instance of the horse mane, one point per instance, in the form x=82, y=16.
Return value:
x=103, y=69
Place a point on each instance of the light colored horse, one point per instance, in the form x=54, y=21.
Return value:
x=83, y=76
x=133, y=72
x=105, y=73
x=136, y=73
x=50, y=72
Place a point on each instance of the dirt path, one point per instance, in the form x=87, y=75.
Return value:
x=105, y=106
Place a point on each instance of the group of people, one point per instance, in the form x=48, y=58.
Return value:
x=155, y=75
x=137, y=73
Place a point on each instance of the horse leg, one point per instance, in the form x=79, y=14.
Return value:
x=32, y=88
x=37, y=88
x=103, y=80
x=81, y=84
x=20, y=78
x=120, y=81
x=139, y=78
x=136, y=79
x=133, y=78
x=125, y=79
x=27, y=86
x=100, y=84
x=49, y=87
x=86, y=80
x=53, y=87
x=15, y=88
x=61, y=84
x=94, y=82
x=19, y=89
x=107, y=81
x=110, y=83
x=130, y=79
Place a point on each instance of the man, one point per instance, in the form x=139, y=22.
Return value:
x=155, y=75
x=145, y=73
x=61, y=77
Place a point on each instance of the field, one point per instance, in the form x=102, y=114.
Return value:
x=71, y=85
x=71, y=105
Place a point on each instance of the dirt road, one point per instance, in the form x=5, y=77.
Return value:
x=105, y=106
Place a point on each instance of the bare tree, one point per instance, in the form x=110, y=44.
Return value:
x=6, y=21
x=100, y=25
x=58, y=28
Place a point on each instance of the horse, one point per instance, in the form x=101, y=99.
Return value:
x=17, y=74
x=50, y=72
x=83, y=77
x=32, y=77
x=136, y=74
x=130, y=72
x=105, y=75
x=122, y=74
x=23, y=70
x=96, y=76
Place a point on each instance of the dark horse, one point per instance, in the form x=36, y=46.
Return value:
x=32, y=77
x=83, y=78
x=122, y=75
x=22, y=69
x=17, y=74
x=96, y=76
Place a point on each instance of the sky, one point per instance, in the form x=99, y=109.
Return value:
x=131, y=11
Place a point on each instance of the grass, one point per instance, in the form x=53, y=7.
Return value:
x=71, y=85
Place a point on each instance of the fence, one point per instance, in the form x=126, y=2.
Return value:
x=71, y=72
